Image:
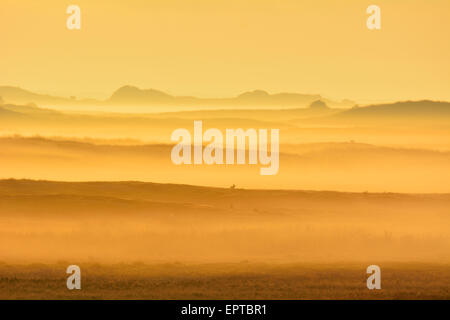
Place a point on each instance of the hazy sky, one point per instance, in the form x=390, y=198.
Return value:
x=223, y=47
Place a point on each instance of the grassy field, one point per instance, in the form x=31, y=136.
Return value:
x=225, y=281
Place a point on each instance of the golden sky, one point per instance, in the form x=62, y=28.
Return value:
x=223, y=47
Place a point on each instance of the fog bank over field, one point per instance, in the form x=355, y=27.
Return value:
x=387, y=169
x=318, y=166
x=134, y=221
x=419, y=124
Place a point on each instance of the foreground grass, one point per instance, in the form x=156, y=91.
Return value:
x=225, y=281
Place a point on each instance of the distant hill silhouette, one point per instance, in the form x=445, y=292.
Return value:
x=131, y=95
x=407, y=112
x=134, y=95
x=410, y=108
x=5, y=113
x=18, y=95
x=127, y=94
x=28, y=109
x=318, y=104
